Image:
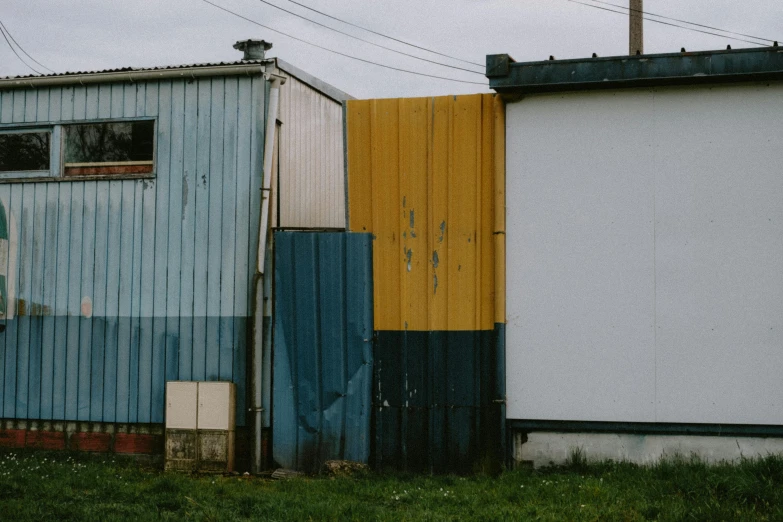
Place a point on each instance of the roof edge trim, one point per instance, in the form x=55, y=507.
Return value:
x=319, y=85
x=724, y=66
x=132, y=76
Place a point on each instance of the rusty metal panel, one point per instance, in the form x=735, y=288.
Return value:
x=311, y=160
x=118, y=286
x=322, y=347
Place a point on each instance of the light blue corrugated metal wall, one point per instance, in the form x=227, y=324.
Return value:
x=167, y=263
x=323, y=348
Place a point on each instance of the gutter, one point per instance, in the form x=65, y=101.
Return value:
x=263, y=234
x=133, y=76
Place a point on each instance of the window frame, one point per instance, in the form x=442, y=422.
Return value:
x=33, y=174
x=56, y=170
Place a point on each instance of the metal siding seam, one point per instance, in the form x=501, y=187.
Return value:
x=174, y=243
x=214, y=244
x=63, y=350
x=201, y=229
x=159, y=367
x=147, y=271
x=36, y=367
x=244, y=141
x=98, y=327
x=135, y=306
x=229, y=195
x=111, y=316
x=23, y=329
x=124, y=294
x=102, y=360
x=188, y=236
x=50, y=348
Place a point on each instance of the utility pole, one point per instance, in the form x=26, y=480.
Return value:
x=636, y=28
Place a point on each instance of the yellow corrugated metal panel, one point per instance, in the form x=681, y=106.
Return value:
x=421, y=178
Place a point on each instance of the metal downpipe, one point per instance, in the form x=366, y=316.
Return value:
x=263, y=235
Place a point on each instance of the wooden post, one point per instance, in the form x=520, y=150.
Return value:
x=636, y=28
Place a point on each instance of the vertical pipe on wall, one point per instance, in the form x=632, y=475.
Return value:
x=269, y=146
x=500, y=210
x=263, y=233
x=499, y=232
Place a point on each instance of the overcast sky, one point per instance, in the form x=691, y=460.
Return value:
x=73, y=35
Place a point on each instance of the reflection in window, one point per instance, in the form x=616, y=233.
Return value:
x=109, y=148
x=24, y=151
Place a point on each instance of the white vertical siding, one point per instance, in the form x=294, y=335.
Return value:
x=312, y=177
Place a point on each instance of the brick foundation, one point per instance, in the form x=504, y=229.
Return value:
x=143, y=440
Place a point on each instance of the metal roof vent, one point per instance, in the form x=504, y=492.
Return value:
x=253, y=49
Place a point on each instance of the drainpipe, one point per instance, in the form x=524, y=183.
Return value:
x=263, y=234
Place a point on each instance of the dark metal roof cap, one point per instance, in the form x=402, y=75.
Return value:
x=723, y=66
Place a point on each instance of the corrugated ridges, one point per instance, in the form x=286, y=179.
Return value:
x=421, y=180
x=322, y=346
x=166, y=263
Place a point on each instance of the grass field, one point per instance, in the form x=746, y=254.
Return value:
x=61, y=486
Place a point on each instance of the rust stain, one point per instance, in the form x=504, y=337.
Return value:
x=24, y=308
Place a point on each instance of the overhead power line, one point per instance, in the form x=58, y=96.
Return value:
x=337, y=52
x=653, y=20
x=368, y=41
x=2, y=31
x=685, y=21
x=384, y=35
x=22, y=48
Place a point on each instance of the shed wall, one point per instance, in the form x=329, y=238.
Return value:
x=311, y=158
x=122, y=285
x=644, y=237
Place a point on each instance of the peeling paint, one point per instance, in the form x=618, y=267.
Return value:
x=442, y=231
x=435, y=284
x=435, y=259
x=409, y=256
x=413, y=220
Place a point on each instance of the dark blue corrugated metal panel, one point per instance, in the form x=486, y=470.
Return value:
x=437, y=400
x=121, y=285
x=322, y=348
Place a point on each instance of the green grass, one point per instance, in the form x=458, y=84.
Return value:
x=62, y=486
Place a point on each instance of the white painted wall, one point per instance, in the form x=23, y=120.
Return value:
x=645, y=255
x=545, y=448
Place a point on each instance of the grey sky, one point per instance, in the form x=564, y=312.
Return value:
x=73, y=35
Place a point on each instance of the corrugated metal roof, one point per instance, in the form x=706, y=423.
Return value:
x=317, y=84
x=139, y=69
